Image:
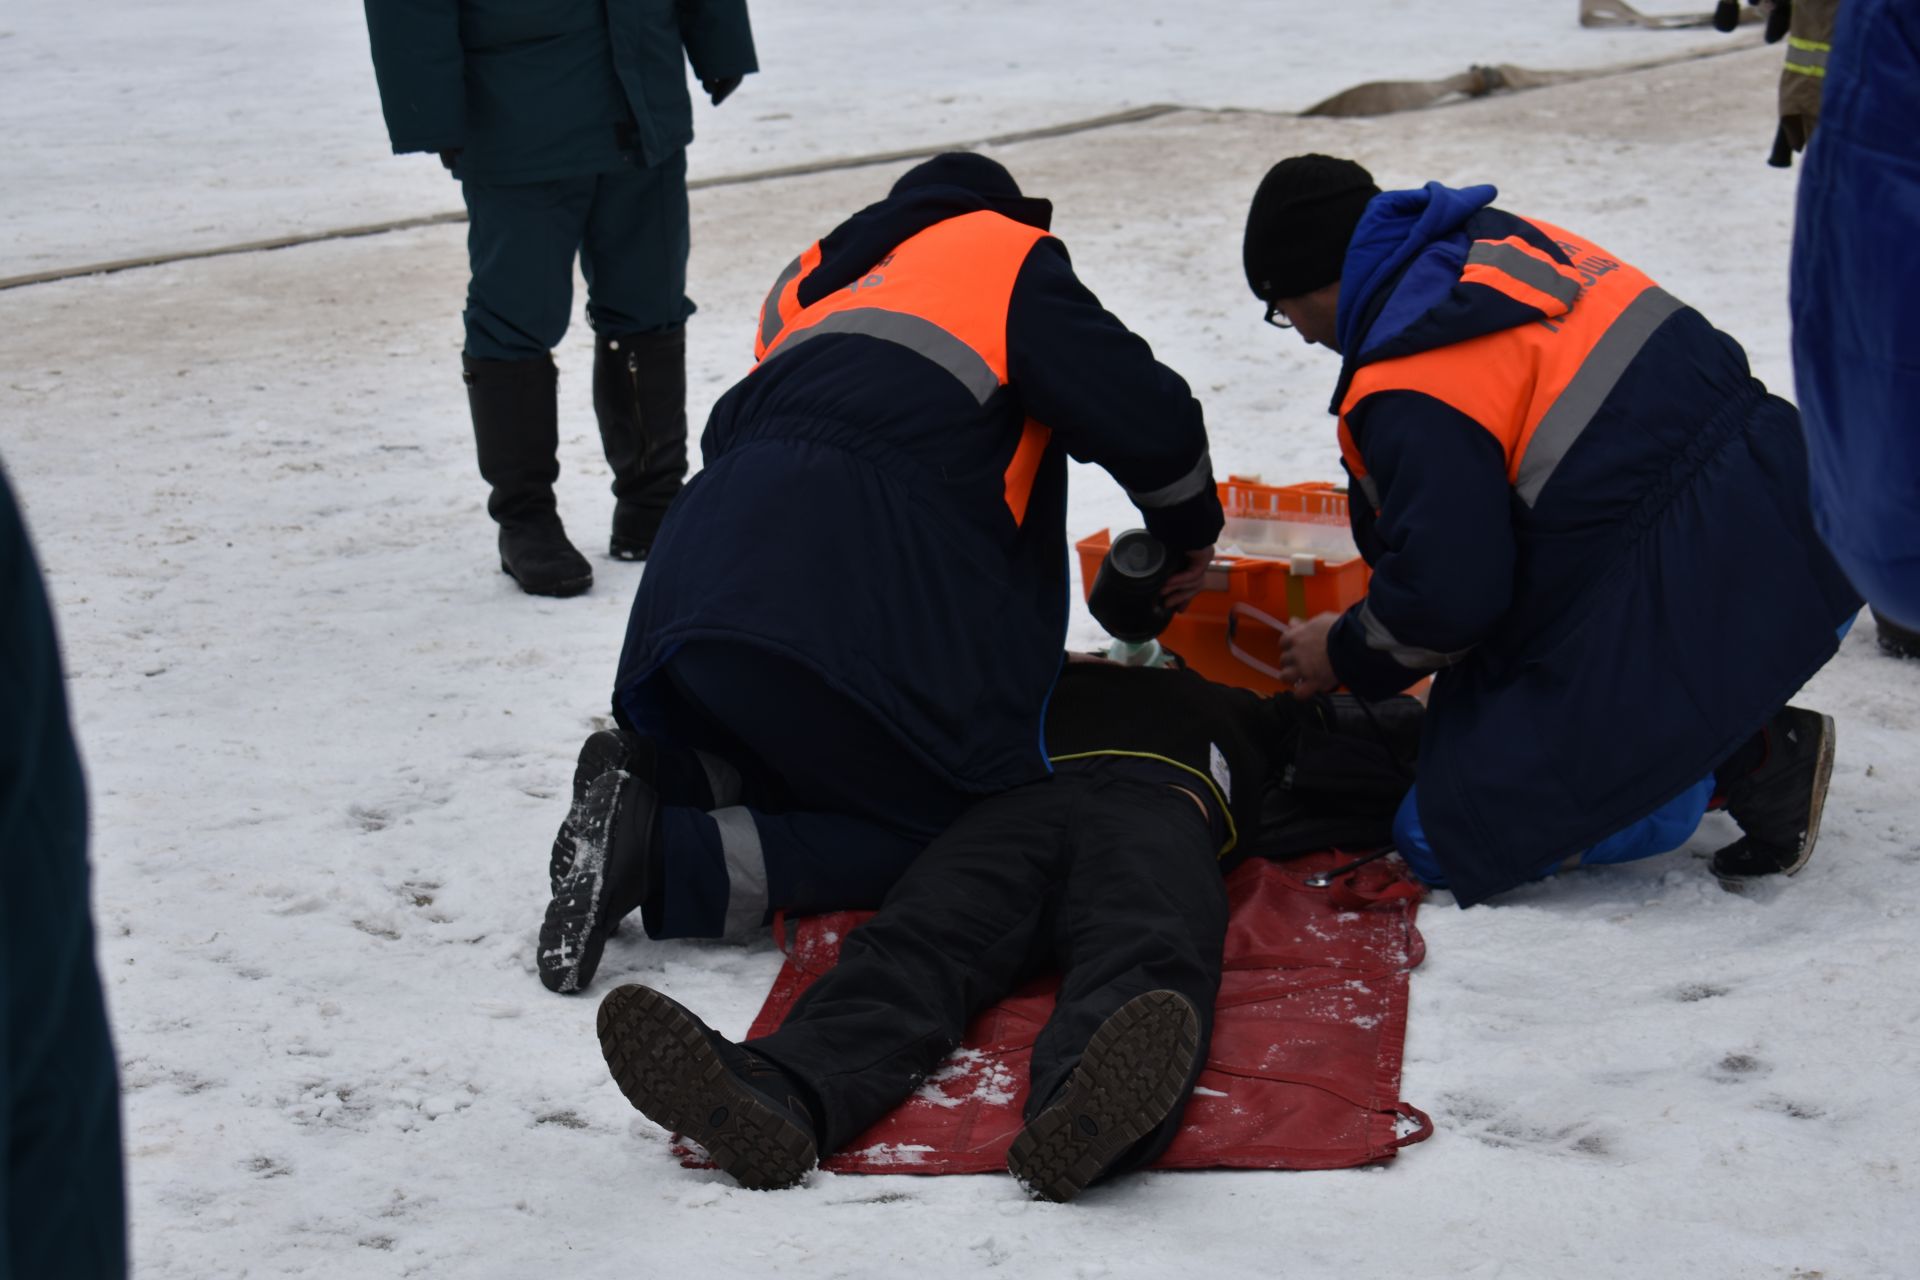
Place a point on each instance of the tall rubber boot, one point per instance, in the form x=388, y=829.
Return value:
x=516, y=428
x=640, y=398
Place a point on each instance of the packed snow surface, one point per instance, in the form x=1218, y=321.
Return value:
x=328, y=743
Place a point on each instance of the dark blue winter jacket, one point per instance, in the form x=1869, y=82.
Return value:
x=1856, y=326
x=853, y=512
x=1618, y=583
x=532, y=90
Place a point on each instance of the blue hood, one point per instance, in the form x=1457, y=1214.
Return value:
x=1396, y=228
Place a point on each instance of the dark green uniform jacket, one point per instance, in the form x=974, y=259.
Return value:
x=60, y=1177
x=532, y=90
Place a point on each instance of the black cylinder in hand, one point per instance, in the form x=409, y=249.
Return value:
x=1126, y=592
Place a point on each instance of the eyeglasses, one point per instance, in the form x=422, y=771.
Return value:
x=1275, y=318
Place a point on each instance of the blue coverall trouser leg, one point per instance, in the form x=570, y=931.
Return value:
x=827, y=808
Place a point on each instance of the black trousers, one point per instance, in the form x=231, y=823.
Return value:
x=1104, y=872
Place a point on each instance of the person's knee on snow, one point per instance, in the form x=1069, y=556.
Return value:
x=1774, y=786
x=1584, y=519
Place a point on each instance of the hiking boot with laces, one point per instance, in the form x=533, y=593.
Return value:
x=692, y=1081
x=1132, y=1076
x=1778, y=803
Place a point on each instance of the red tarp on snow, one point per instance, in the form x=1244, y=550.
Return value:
x=1304, y=1071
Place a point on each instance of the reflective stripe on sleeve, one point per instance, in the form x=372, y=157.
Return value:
x=1807, y=57
x=1188, y=486
x=1409, y=656
x=1572, y=412
x=922, y=337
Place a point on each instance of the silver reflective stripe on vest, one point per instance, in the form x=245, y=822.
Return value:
x=1408, y=656
x=1370, y=490
x=922, y=337
x=1598, y=375
x=770, y=321
x=1527, y=269
x=746, y=870
x=1190, y=485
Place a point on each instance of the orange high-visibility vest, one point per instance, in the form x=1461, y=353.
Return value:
x=1534, y=387
x=942, y=294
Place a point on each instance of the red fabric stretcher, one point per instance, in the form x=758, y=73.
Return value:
x=1304, y=1070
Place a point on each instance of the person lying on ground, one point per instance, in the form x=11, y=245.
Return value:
x=859, y=603
x=1581, y=510
x=1108, y=871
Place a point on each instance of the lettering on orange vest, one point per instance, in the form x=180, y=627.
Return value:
x=942, y=293
x=1534, y=387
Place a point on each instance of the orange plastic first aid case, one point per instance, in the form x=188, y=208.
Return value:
x=1286, y=554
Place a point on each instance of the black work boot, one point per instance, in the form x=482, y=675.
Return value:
x=1132, y=1076
x=1896, y=641
x=603, y=752
x=690, y=1080
x=516, y=427
x=1778, y=801
x=640, y=398
x=614, y=862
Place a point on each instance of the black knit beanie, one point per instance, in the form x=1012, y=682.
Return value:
x=986, y=179
x=1302, y=218
x=965, y=169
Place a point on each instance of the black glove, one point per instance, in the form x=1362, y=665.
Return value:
x=1778, y=20
x=450, y=157
x=1726, y=15
x=718, y=88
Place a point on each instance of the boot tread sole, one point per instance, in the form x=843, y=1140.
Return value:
x=670, y=1072
x=603, y=752
x=1131, y=1077
x=572, y=938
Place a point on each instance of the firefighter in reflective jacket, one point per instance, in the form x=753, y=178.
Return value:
x=1582, y=511
x=855, y=613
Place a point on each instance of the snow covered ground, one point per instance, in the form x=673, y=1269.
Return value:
x=328, y=743
x=136, y=126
